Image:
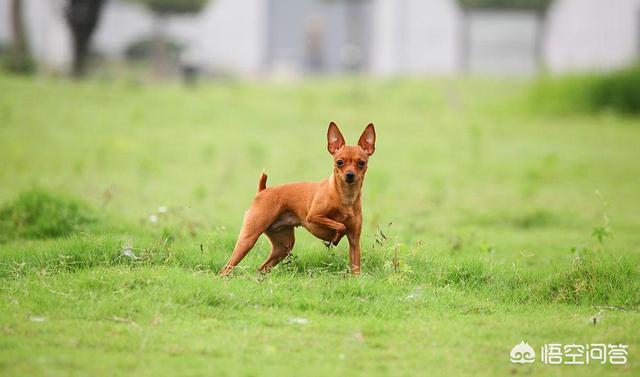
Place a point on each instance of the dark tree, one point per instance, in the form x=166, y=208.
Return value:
x=19, y=58
x=535, y=5
x=82, y=17
x=166, y=7
x=161, y=10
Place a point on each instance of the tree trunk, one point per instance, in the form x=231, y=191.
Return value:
x=160, y=48
x=540, y=37
x=82, y=17
x=19, y=59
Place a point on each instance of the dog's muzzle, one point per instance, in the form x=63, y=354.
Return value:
x=350, y=177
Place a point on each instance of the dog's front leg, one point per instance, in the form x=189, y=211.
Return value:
x=353, y=234
x=324, y=221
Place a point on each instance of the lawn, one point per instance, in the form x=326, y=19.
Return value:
x=486, y=222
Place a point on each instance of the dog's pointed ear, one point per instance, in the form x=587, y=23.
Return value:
x=335, y=140
x=368, y=139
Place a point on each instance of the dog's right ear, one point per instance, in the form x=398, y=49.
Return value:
x=335, y=140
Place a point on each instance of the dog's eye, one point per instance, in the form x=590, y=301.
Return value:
x=339, y=162
x=361, y=163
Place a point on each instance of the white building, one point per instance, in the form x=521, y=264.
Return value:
x=381, y=37
x=592, y=34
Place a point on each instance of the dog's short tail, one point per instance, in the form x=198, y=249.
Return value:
x=263, y=182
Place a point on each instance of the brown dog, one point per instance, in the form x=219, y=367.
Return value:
x=329, y=209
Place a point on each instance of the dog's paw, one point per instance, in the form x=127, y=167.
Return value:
x=225, y=271
x=337, y=238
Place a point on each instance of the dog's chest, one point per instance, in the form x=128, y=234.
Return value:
x=342, y=214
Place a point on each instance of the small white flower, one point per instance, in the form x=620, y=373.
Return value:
x=37, y=318
x=162, y=209
x=299, y=321
x=153, y=218
x=128, y=252
x=415, y=294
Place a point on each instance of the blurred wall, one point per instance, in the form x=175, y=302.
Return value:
x=231, y=36
x=592, y=34
x=311, y=36
x=380, y=37
x=503, y=42
x=415, y=37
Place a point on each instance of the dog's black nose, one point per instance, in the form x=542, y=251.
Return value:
x=350, y=176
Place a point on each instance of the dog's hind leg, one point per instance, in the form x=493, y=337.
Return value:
x=282, y=241
x=256, y=221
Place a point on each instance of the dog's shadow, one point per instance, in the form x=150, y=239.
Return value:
x=331, y=261
x=312, y=261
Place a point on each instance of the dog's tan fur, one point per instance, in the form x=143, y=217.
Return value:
x=329, y=209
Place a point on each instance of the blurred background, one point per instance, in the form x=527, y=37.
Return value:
x=286, y=39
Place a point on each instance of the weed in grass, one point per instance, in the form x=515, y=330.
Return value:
x=477, y=144
x=397, y=265
x=538, y=217
x=594, y=280
x=467, y=275
x=487, y=248
x=456, y=242
x=538, y=174
x=380, y=237
x=602, y=232
x=37, y=213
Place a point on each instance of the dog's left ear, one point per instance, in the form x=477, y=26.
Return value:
x=368, y=139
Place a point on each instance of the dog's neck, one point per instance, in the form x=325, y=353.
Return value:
x=349, y=193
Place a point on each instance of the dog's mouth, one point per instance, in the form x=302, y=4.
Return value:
x=350, y=181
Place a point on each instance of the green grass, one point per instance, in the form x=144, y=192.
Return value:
x=485, y=224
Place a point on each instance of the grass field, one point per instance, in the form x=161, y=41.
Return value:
x=486, y=222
